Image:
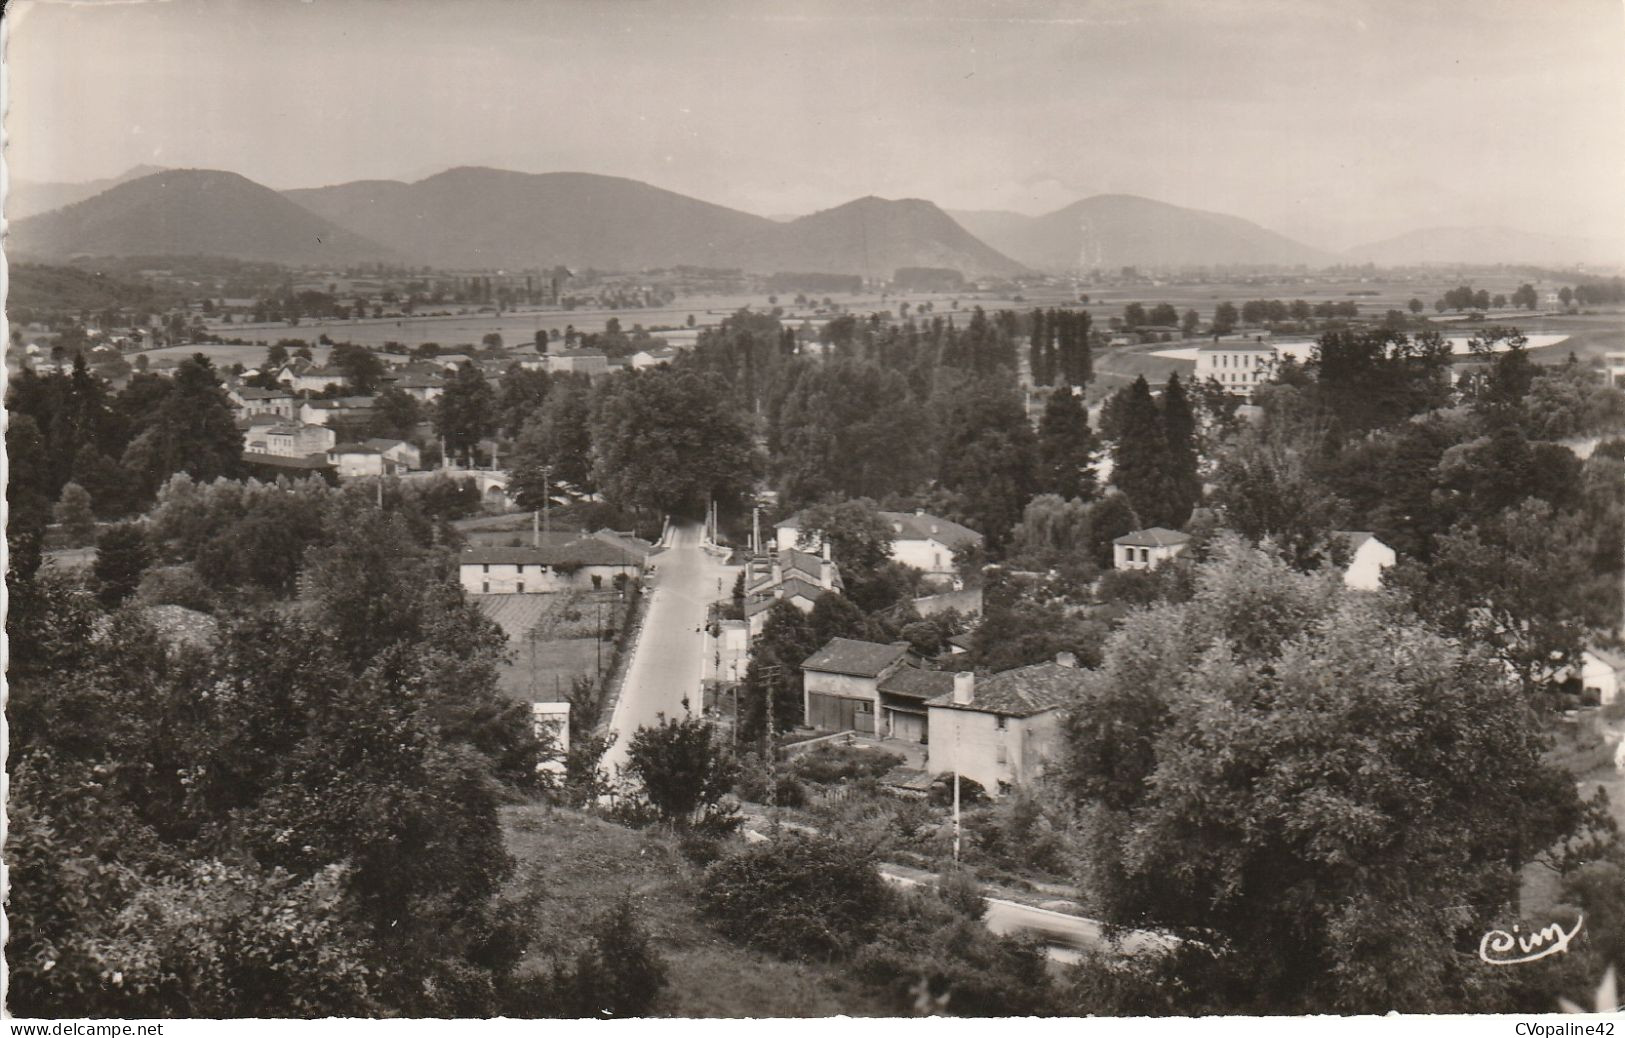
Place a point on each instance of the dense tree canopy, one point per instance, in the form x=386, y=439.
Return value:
x=1289, y=776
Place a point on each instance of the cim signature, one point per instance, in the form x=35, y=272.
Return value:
x=1498, y=947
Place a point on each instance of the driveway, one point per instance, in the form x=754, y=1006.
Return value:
x=669, y=658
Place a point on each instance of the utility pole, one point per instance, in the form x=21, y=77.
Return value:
x=547, y=498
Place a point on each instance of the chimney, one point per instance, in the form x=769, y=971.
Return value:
x=964, y=687
x=536, y=529
x=827, y=556
x=1067, y=659
x=778, y=574
x=826, y=575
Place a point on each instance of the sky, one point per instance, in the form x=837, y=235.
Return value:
x=1333, y=121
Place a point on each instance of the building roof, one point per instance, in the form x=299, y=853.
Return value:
x=917, y=684
x=1021, y=692
x=353, y=448
x=855, y=658
x=1155, y=537
x=584, y=551
x=1353, y=538
x=254, y=393
x=383, y=444
x=918, y=525
x=580, y=351
x=340, y=403
x=308, y=463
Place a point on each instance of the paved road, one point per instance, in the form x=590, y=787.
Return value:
x=669, y=658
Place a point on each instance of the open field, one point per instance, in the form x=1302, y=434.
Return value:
x=584, y=864
x=544, y=666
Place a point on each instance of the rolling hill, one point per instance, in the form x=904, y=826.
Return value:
x=1479, y=245
x=873, y=237
x=25, y=198
x=473, y=217
x=192, y=212
x=477, y=217
x=1106, y=231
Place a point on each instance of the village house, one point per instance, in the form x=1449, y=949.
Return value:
x=919, y=539
x=336, y=409
x=1147, y=549
x=402, y=454
x=419, y=386
x=289, y=440
x=249, y=401
x=841, y=684
x=1368, y=557
x=586, y=563
x=654, y=356
x=1002, y=730
x=1239, y=366
x=302, y=379
x=1601, y=672
x=1614, y=368
x=793, y=576
x=578, y=361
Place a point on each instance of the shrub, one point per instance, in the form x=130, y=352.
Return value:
x=617, y=975
x=828, y=764
x=798, y=896
x=684, y=771
x=928, y=942
x=970, y=791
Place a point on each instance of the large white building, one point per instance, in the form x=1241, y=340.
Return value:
x=1240, y=366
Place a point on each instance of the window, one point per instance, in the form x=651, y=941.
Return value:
x=485, y=587
x=1001, y=722
x=485, y=567
x=999, y=755
x=519, y=588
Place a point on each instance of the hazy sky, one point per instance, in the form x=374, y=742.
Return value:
x=1337, y=121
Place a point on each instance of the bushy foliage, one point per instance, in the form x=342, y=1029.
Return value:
x=798, y=896
x=829, y=763
x=1329, y=742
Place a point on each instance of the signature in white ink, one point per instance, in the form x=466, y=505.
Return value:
x=1499, y=948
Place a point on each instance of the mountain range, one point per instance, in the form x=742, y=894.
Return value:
x=481, y=218
x=1484, y=245
x=1111, y=231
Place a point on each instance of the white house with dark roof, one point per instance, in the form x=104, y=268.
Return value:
x=840, y=684
x=1368, y=557
x=1002, y=730
x=919, y=539
x=250, y=401
x=1147, y=549
x=288, y=439
x=400, y=455
x=585, y=563
x=797, y=577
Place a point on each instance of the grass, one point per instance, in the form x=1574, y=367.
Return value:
x=545, y=670
x=585, y=863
